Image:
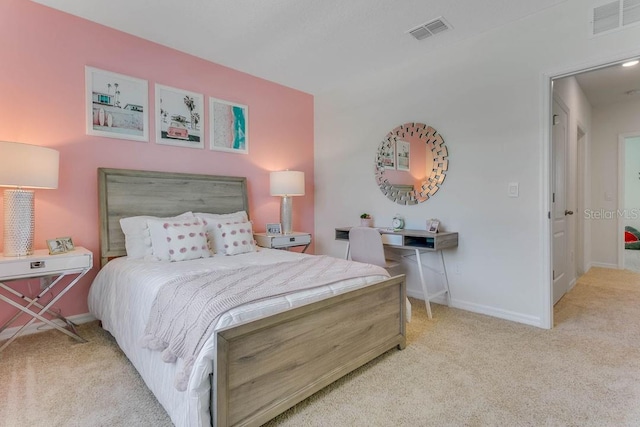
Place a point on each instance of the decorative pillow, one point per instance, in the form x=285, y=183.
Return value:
x=158, y=232
x=216, y=243
x=631, y=238
x=137, y=239
x=184, y=240
x=237, y=238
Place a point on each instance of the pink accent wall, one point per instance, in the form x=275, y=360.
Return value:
x=42, y=102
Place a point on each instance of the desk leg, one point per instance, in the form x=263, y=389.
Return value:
x=446, y=279
x=424, y=284
x=44, y=309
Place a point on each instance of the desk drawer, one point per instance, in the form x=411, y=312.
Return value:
x=45, y=265
x=277, y=241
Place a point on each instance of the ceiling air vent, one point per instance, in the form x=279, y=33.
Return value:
x=630, y=12
x=430, y=28
x=615, y=16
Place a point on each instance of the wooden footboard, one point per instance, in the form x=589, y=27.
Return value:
x=267, y=366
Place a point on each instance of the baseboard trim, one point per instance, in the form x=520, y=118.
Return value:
x=604, y=265
x=483, y=309
x=37, y=327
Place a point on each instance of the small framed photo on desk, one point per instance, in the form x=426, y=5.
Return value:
x=274, y=229
x=432, y=225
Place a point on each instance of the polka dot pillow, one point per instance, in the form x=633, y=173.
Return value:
x=186, y=240
x=237, y=238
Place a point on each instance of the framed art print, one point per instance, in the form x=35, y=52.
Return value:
x=179, y=115
x=60, y=245
x=403, y=155
x=229, y=126
x=274, y=229
x=116, y=105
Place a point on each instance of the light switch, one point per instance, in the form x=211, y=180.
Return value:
x=513, y=189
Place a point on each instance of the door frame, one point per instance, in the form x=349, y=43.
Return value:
x=546, y=99
x=583, y=198
x=568, y=222
x=621, y=198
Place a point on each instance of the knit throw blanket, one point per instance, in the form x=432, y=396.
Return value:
x=185, y=311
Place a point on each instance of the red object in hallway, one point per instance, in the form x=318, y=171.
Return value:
x=630, y=237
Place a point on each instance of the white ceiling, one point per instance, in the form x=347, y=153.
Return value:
x=305, y=44
x=610, y=85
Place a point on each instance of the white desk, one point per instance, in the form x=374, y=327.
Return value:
x=417, y=241
x=74, y=263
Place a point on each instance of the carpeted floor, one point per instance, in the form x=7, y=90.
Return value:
x=460, y=369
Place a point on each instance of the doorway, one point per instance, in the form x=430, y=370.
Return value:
x=594, y=188
x=629, y=201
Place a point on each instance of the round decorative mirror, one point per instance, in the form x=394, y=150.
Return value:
x=411, y=163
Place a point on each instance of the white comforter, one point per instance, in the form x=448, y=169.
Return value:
x=121, y=297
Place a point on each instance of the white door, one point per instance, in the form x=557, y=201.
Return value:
x=559, y=212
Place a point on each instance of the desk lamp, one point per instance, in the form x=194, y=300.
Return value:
x=23, y=167
x=286, y=184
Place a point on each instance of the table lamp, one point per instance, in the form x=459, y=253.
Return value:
x=286, y=184
x=23, y=167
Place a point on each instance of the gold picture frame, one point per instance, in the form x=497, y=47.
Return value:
x=60, y=245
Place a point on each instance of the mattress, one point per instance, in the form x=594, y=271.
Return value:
x=121, y=297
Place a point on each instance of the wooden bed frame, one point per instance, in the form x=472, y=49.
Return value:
x=266, y=366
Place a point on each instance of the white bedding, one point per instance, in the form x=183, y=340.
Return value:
x=121, y=297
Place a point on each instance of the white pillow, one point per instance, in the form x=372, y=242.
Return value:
x=216, y=243
x=137, y=239
x=158, y=232
x=186, y=240
x=237, y=238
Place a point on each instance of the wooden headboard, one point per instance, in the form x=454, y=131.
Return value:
x=124, y=193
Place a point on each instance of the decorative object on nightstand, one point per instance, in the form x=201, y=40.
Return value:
x=274, y=228
x=286, y=184
x=283, y=241
x=366, y=220
x=23, y=167
x=397, y=222
x=60, y=245
x=51, y=269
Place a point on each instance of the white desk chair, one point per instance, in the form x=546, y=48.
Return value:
x=365, y=245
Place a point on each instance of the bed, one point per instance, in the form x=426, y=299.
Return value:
x=264, y=356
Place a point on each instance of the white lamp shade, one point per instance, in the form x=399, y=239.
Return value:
x=28, y=166
x=287, y=183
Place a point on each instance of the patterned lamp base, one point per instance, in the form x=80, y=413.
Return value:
x=19, y=222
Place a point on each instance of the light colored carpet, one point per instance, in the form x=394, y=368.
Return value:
x=460, y=369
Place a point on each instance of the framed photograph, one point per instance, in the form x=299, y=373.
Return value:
x=179, y=116
x=403, y=154
x=229, y=126
x=432, y=225
x=60, y=245
x=273, y=229
x=117, y=105
x=387, y=154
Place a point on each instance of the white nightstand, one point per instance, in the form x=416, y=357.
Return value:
x=283, y=241
x=74, y=263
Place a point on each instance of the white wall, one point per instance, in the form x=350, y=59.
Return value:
x=608, y=123
x=485, y=96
